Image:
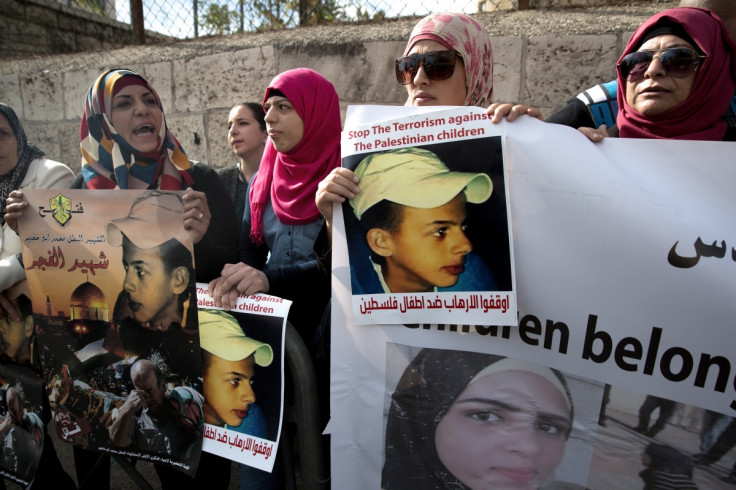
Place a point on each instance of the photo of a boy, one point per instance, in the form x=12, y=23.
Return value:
x=229, y=360
x=16, y=338
x=411, y=211
x=156, y=310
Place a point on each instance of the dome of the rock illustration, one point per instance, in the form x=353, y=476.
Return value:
x=88, y=303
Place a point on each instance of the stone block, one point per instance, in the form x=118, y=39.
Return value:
x=361, y=72
x=13, y=9
x=507, y=57
x=380, y=75
x=220, y=80
x=46, y=137
x=61, y=42
x=76, y=85
x=220, y=154
x=10, y=93
x=69, y=144
x=41, y=15
x=159, y=75
x=42, y=94
x=552, y=67
x=191, y=133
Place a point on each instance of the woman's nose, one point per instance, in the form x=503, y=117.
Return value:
x=141, y=107
x=655, y=69
x=522, y=439
x=421, y=77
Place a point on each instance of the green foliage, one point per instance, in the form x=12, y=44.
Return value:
x=219, y=19
x=279, y=14
x=95, y=6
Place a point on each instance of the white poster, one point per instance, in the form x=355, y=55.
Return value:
x=243, y=376
x=624, y=260
x=428, y=235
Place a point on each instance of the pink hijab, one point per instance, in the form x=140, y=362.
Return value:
x=699, y=117
x=461, y=33
x=290, y=179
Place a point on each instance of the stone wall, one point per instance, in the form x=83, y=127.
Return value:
x=537, y=60
x=47, y=27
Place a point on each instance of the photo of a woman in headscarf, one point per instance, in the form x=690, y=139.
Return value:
x=465, y=420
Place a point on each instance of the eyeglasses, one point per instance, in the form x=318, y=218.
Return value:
x=438, y=65
x=677, y=62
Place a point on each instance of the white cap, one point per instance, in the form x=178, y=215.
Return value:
x=414, y=177
x=221, y=334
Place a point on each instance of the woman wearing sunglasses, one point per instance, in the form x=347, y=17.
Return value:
x=448, y=61
x=676, y=78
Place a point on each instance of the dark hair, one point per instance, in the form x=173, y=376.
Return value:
x=173, y=255
x=257, y=110
x=386, y=215
x=24, y=306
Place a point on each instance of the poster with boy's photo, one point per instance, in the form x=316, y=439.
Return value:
x=243, y=377
x=429, y=234
x=22, y=428
x=111, y=278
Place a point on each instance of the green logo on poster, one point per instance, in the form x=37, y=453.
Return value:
x=61, y=209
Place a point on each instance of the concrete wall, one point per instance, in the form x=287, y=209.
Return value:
x=198, y=83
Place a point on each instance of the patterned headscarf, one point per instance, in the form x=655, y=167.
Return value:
x=108, y=161
x=26, y=154
x=290, y=179
x=462, y=33
x=699, y=116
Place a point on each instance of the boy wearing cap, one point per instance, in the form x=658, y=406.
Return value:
x=155, y=312
x=158, y=263
x=228, y=367
x=411, y=210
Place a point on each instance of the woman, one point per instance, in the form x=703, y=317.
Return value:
x=126, y=144
x=448, y=61
x=246, y=135
x=495, y=422
x=676, y=78
x=146, y=155
x=282, y=221
x=22, y=166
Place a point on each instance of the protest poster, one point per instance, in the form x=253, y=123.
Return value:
x=243, y=373
x=624, y=257
x=429, y=234
x=111, y=278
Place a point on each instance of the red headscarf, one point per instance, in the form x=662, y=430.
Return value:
x=699, y=117
x=290, y=179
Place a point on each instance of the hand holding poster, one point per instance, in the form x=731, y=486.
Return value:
x=124, y=381
x=624, y=287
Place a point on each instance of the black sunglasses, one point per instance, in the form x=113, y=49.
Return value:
x=438, y=65
x=677, y=62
